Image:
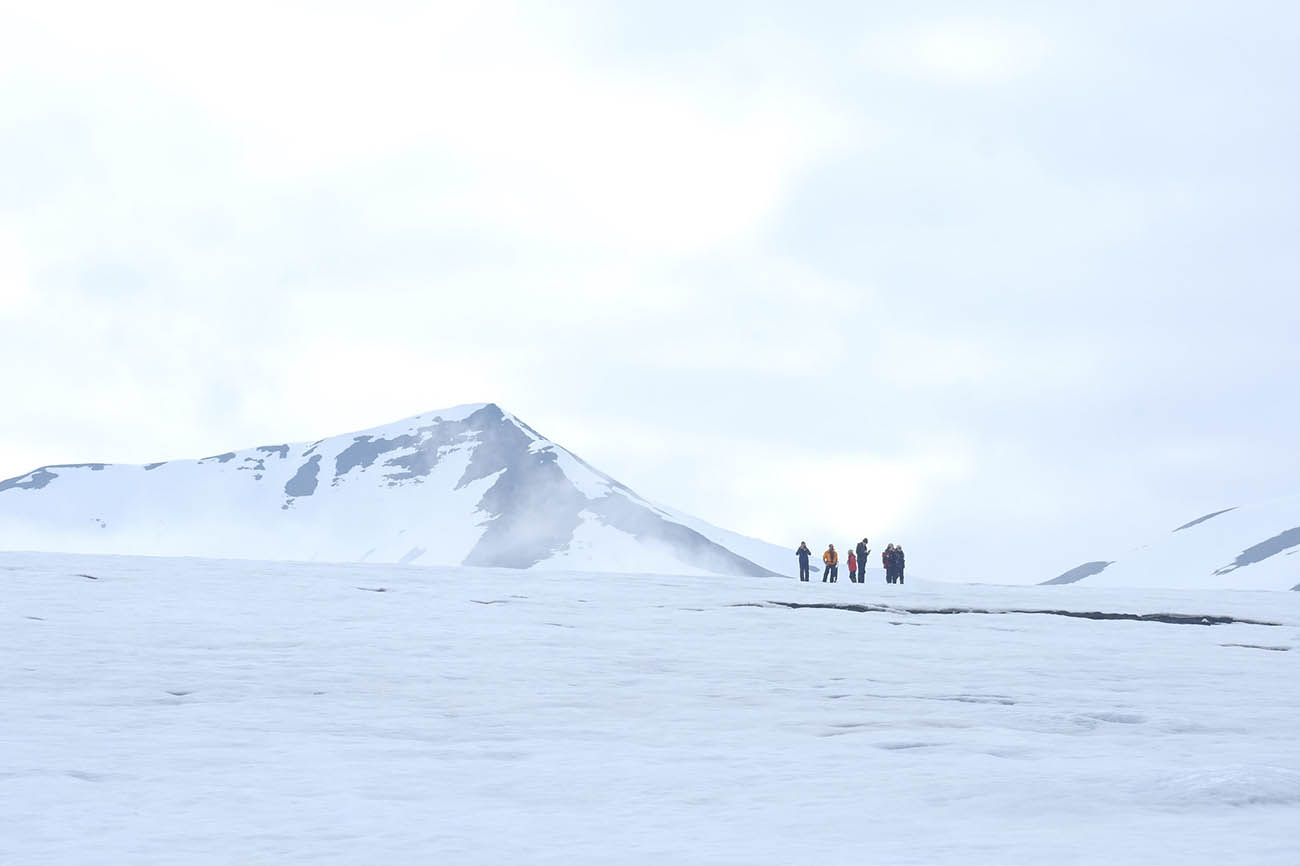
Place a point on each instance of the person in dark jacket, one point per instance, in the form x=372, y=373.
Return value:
x=899, y=562
x=887, y=560
x=863, y=552
x=803, y=553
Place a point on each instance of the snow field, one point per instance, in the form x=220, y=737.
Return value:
x=205, y=712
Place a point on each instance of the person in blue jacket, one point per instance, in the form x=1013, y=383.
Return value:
x=803, y=553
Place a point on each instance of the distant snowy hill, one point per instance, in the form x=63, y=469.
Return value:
x=1247, y=547
x=471, y=485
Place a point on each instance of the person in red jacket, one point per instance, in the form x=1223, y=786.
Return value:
x=853, y=567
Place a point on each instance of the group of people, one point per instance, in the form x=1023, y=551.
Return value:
x=892, y=559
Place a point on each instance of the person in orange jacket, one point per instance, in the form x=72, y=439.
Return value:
x=832, y=560
x=853, y=567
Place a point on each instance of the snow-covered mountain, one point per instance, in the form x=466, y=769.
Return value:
x=1247, y=547
x=471, y=485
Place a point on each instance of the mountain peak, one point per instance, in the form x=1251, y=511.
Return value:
x=471, y=484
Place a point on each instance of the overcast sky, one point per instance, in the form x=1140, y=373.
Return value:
x=1015, y=288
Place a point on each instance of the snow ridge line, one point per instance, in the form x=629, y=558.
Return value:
x=1171, y=618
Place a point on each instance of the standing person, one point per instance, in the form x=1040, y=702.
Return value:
x=887, y=560
x=853, y=567
x=803, y=553
x=863, y=552
x=899, y=562
x=832, y=560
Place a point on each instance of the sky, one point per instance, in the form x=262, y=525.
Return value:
x=1013, y=286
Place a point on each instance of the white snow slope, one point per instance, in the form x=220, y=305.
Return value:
x=472, y=485
x=1249, y=547
x=199, y=712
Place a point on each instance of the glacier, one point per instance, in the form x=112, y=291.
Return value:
x=182, y=710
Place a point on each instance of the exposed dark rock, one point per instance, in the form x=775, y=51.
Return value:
x=220, y=458
x=412, y=555
x=364, y=449
x=534, y=508
x=303, y=483
x=1270, y=547
x=152, y=466
x=282, y=450
x=1190, y=524
x=34, y=480
x=39, y=478
x=1078, y=573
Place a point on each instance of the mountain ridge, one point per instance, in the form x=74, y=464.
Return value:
x=472, y=484
x=1242, y=547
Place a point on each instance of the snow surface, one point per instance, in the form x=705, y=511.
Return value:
x=165, y=711
x=1249, y=547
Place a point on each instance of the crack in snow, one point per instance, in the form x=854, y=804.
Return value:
x=1170, y=618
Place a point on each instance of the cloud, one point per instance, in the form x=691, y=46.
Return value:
x=965, y=52
x=958, y=281
x=15, y=279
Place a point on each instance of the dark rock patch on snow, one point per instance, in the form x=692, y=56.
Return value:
x=220, y=458
x=1192, y=523
x=1078, y=573
x=1171, y=618
x=282, y=450
x=152, y=466
x=303, y=483
x=37, y=479
x=364, y=449
x=535, y=510
x=412, y=555
x=1269, y=547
